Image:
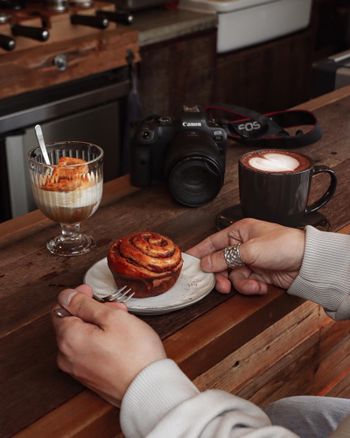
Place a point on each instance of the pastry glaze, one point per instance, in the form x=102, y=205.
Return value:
x=147, y=262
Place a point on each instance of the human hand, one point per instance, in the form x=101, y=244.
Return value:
x=102, y=345
x=272, y=254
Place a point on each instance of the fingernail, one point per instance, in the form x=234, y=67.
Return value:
x=61, y=313
x=206, y=263
x=65, y=297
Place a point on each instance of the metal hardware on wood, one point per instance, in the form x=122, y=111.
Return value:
x=61, y=62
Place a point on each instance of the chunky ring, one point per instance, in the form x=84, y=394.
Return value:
x=232, y=256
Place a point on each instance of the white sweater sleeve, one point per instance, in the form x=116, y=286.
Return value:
x=324, y=276
x=162, y=402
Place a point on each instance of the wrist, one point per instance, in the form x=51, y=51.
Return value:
x=299, y=247
x=323, y=277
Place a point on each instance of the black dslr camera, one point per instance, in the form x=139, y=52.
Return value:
x=189, y=154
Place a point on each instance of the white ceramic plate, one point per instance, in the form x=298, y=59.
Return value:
x=192, y=285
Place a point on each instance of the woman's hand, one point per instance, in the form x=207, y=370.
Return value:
x=102, y=345
x=272, y=254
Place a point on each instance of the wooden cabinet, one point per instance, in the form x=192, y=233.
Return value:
x=187, y=70
x=60, y=62
x=177, y=72
x=271, y=76
x=331, y=21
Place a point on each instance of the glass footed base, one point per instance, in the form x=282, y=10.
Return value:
x=80, y=244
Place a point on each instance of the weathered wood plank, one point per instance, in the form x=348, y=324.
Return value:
x=254, y=370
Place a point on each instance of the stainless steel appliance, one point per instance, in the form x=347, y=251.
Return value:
x=331, y=73
x=91, y=109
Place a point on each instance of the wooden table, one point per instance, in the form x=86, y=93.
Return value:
x=37, y=399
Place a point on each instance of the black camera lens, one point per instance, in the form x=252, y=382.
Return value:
x=195, y=181
x=195, y=168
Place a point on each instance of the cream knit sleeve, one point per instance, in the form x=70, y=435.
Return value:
x=162, y=402
x=324, y=276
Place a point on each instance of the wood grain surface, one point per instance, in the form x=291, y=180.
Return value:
x=34, y=68
x=36, y=397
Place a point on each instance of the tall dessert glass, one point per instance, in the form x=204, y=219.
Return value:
x=68, y=191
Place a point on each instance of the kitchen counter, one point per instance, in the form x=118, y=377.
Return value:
x=158, y=25
x=36, y=68
x=33, y=65
x=38, y=400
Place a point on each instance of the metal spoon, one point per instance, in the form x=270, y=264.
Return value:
x=41, y=141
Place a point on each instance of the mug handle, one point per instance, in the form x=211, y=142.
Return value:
x=329, y=192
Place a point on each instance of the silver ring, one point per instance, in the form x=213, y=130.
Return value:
x=232, y=256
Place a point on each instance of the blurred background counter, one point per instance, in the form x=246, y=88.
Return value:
x=159, y=25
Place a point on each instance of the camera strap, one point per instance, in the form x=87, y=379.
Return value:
x=268, y=130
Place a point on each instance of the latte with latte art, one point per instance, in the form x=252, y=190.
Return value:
x=274, y=185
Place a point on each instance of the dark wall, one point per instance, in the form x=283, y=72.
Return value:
x=266, y=77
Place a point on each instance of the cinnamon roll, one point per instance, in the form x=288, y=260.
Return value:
x=147, y=262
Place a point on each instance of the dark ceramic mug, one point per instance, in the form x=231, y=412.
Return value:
x=274, y=185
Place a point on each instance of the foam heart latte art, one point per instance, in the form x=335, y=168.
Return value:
x=272, y=161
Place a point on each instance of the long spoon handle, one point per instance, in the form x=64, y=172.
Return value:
x=40, y=137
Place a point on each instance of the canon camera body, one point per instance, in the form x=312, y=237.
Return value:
x=188, y=153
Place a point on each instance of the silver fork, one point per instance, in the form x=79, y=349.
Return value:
x=121, y=295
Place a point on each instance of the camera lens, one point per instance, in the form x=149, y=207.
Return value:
x=195, y=181
x=195, y=168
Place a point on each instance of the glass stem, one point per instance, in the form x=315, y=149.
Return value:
x=70, y=232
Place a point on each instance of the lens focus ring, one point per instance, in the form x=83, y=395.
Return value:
x=195, y=181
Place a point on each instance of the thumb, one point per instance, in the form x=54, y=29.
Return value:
x=83, y=306
x=214, y=262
